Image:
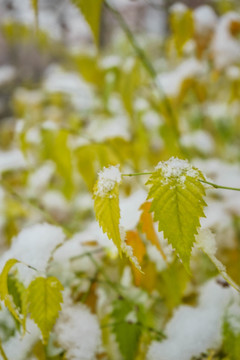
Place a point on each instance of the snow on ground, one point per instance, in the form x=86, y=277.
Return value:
x=78, y=332
x=194, y=330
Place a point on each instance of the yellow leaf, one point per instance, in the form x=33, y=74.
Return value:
x=147, y=227
x=177, y=203
x=44, y=299
x=108, y=215
x=139, y=250
x=91, y=10
x=4, y=294
x=106, y=203
x=35, y=9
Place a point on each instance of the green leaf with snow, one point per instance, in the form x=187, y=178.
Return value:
x=44, y=303
x=106, y=203
x=177, y=203
x=91, y=10
x=4, y=291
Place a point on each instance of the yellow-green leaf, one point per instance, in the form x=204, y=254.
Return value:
x=35, y=9
x=4, y=293
x=106, y=203
x=55, y=147
x=177, y=203
x=44, y=303
x=91, y=10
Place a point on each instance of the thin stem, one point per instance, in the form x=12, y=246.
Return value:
x=2, y=352
x=203, y=181
x=138, y=174
x=219, y=186
x=139, y=51
x=147, y=64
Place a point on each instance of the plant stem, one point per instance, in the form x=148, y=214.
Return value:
x=2, y=352
x=139, y=51
x=148, y=66
x=203, y=181
x=219, y=186
x=138, y=174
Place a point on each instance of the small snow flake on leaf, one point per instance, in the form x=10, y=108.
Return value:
x=177, y=203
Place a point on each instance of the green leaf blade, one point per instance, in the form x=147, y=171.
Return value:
x=44, y=302
x=108, y=215
x=91, y=10
x=4, y=292
x=177, y=205
x=106, y=203
x=127, y=333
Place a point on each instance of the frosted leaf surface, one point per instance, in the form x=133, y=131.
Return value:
x=107, y=179
x=176, y=168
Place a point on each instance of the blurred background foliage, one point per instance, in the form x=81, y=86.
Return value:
x=69, y=107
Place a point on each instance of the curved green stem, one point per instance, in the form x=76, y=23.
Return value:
x=148, y=66
x=138, y=174
x=219, y=186
x=203, y=181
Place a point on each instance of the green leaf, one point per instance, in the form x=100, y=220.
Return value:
x=35, y=9
x=127, y=332
x=44, y=299
x=4, y=293
x=129, y=81
x=55, y=147
x=177, y=204
x=231, y=338
x=91, y=10
x=182, y=25
x=107, y=212
x=172, y=283
x=16, y=290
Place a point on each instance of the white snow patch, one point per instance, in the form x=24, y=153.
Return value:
x=225, y=48
x=18, y=347
x=12, y=160
x=233, y=72
x=200, y=140
x=78, y=332
x=205, y=240
x=7, y=74
x=69, y=83
x=171, y=82
x=192, y=331
x=40, y=178
x=178, y=8
x=33, y=246
x=107, y=179
x=176, y=168
x=205, y=19
x=129, y=208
